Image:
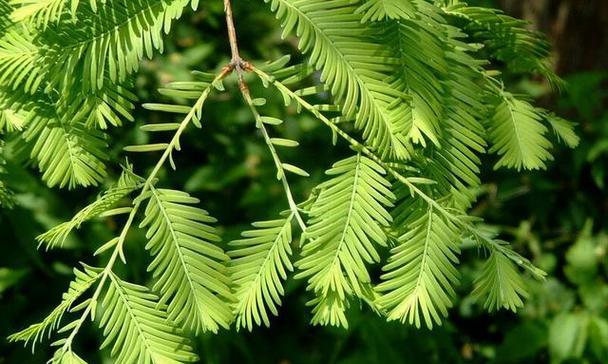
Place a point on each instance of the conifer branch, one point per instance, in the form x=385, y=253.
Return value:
x=150, y=181
x=410, y=182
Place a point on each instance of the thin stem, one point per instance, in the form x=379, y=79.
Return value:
x=275, y=156
x=236, y=61
x=118, y=249
x=241, y=66
x=234, y=46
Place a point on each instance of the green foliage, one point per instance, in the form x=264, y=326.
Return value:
x=346, y=224
x=189, y=266
x=260, y=262
x=35, y=333
x=519, y=135
x=411, y=79
x=138, y=328
x=126, y=184
x=500, y=283
x=420, y=274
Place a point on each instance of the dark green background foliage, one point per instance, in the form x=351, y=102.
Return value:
x=556, y=217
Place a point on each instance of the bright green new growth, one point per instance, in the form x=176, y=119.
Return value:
x=414, y=78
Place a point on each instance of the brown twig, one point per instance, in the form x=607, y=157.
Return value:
x=240, y=66
x=236, y=63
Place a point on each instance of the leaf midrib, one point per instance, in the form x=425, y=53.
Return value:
x=175, y=240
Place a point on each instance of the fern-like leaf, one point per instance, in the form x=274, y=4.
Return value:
x=564, y=130
x=418, y=284
x=500, y=285
x=111, y=40
x=137, y=328
x=69, y=155
x=346, y=224
x=375, y=10
x=507, y=39
x=518, y=135
x=259, y=264
x=188, y=264
x=126, y=184
x=19, y=61
x=35, y=333
x=354, y=67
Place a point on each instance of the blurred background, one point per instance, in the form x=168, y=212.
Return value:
x=558, y=217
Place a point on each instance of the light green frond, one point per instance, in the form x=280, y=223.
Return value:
x=126, y=184
x=11, y=120
x=354, y=67
x=500, y=285
x=375, y=10
x=43, y=12
x=107, y=43
x=518, y=135
x=68, y=155
x=455, y=166
x=111, y=41
x=422, y=67
x=260, y=262
x=189, y=266
x=346, y=224
x=19, y=61
x=329, y=310
x=564, y=130
x=136, y=327
x=100, y=108
x=67, y=357
x=419, y=279
x=35, y=333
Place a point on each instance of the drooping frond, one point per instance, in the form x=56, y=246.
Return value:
x=354, y=67
x=499, y=284
x=507, y=39
x=346, y=224
x=375, y=10
x=260, y=262
x=188, y=265
x=66, y=357
x=107, y=43
x=43, y=12
x=111, y=41
x=136, y=327
x=329, y=309
x=418, y=283
x=98, y=109
x=19, y=62
x=518, y=135
x=422, y=66
x=564, y=130
x=35, y=333
x=126, y=184
x=455, y=165
x=68, y=155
